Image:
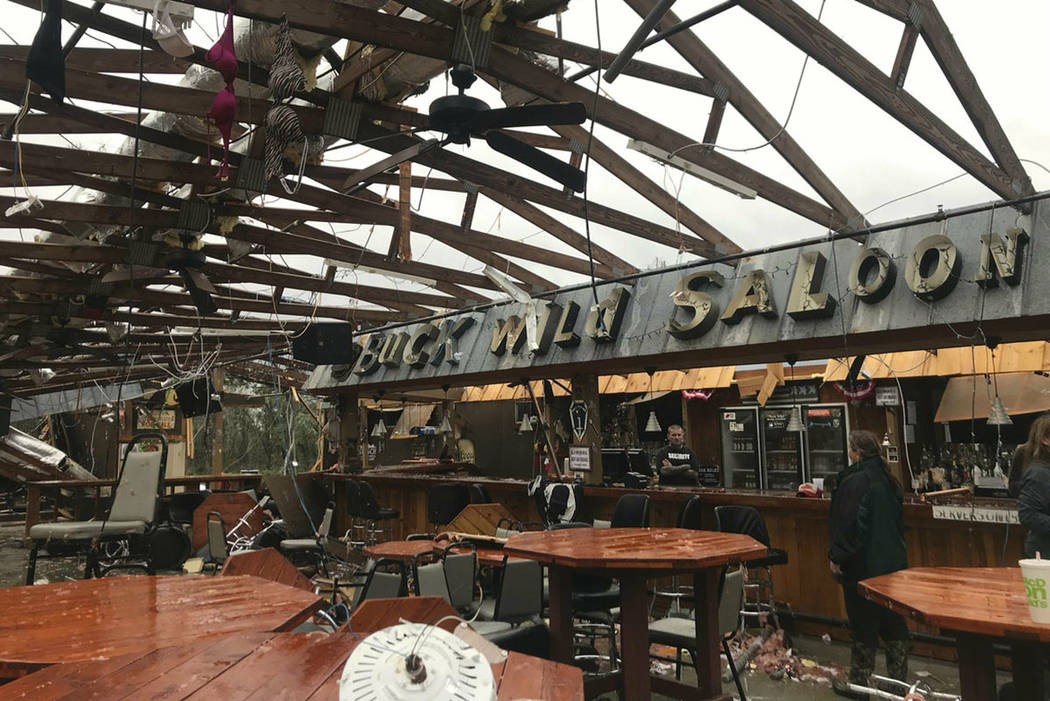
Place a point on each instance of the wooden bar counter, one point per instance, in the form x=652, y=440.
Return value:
x=796, y=524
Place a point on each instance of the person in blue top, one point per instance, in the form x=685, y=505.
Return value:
x=866, y=526
x=1033, y=501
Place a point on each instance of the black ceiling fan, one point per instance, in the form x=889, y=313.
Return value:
x=462, y=116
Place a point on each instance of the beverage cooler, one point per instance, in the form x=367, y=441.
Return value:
x=759, y=452
x=826, y=441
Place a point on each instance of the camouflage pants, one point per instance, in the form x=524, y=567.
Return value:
x=862, y=660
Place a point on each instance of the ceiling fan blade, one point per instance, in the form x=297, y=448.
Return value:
x=360, y=179
x=572, y=178
x=200, y=289
x=530, y=116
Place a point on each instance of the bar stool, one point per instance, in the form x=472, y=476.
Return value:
x=759, y=600
x=354, y=538
x=377, y=519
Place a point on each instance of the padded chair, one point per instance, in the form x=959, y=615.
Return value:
x=445, y=501
x=595, y=606
x=461, y=574
x=316, y=549
x=632, y=511
x=132, y=517
x=519, y=597
x=680, y=632
x=688, y=517
x=430, y=579
x=758, y=590
x=378, y=519
x=218, y=548
x=479, y=494
x=380, y=583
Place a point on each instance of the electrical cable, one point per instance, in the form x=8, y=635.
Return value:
x=587, y=170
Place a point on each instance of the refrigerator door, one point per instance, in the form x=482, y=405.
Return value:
x=782, y=449
x=826, y=433
x=740, y=451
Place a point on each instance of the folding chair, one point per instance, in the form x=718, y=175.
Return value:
x=131, y=518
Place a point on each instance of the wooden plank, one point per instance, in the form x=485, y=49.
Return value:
x=697, y=54
x=111, y=60
x=232, y=507
x=832, y=52
x=902, y=60
x=481, y=519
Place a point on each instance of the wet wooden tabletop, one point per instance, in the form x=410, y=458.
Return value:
x=97, y=619
x=375, y=614
x=982, y=600
x=403, y=550
x=673, y=549
x=259, y=665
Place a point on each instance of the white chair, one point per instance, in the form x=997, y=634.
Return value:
x=131, y=517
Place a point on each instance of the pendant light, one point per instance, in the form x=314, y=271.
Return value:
x=794, y=423
x=997, y=415
x=445, y=426
x=653, y=424
x=526, y=424
x=379, y=430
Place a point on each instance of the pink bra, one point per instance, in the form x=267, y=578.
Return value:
x=222, y=55
x=224, y=106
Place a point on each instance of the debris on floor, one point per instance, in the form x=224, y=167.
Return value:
x=775, y=659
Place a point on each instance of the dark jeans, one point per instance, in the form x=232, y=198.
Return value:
x=868, y=621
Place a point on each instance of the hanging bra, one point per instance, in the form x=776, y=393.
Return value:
x=222, y=112
x=285, y=74
x=222, y=56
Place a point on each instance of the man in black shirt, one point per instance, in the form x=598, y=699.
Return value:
x=675, y=461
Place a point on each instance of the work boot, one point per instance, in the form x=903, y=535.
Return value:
x=861, y=665
x=897, y=659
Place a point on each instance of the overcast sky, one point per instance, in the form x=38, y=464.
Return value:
x=867, y=154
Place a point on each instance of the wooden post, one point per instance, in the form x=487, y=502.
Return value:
x=218, y=379
x=585, y=389
x=353, y=446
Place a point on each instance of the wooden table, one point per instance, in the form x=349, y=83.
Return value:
x=96, y=619
x=978, y=606
x=634, y=555
x=262, y=665
x=401, y=550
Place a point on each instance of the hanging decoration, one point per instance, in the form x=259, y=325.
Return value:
x=653, y=424
x=578, y=414
x=854, y=391
x=283, y=128
x=46, y=62
x=223, y=57
x=704, y=394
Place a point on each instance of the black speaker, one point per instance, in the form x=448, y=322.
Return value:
x=5, y=414
x=325, y=344
x=195, y=398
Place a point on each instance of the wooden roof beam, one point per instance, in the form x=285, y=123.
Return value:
x=705, y=62
x=801, y=29
x=110, y=60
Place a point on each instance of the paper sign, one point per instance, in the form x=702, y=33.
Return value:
x=579, y=458
x=736, y=427
x=975, y=515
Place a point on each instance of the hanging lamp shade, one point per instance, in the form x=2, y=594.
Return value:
x=997, y=415
x=795, y=421
x=653, y=424
x=445, y=426
x=526, y=424
x=379, y=430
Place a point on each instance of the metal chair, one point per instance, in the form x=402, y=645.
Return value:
x=352, y=536
x=132, y=517
x=218, y=548
x=316, y=548
x=632, y=511
x=680, y=632
x=379, y=583
x=759, y=599
x=461, y=573
x=688, y=517
x=374, y=515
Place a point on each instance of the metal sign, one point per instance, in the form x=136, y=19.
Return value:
x=578, y=415
x=976, y=514
x=580, y=458
x=689, y=318
x=887, y=396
